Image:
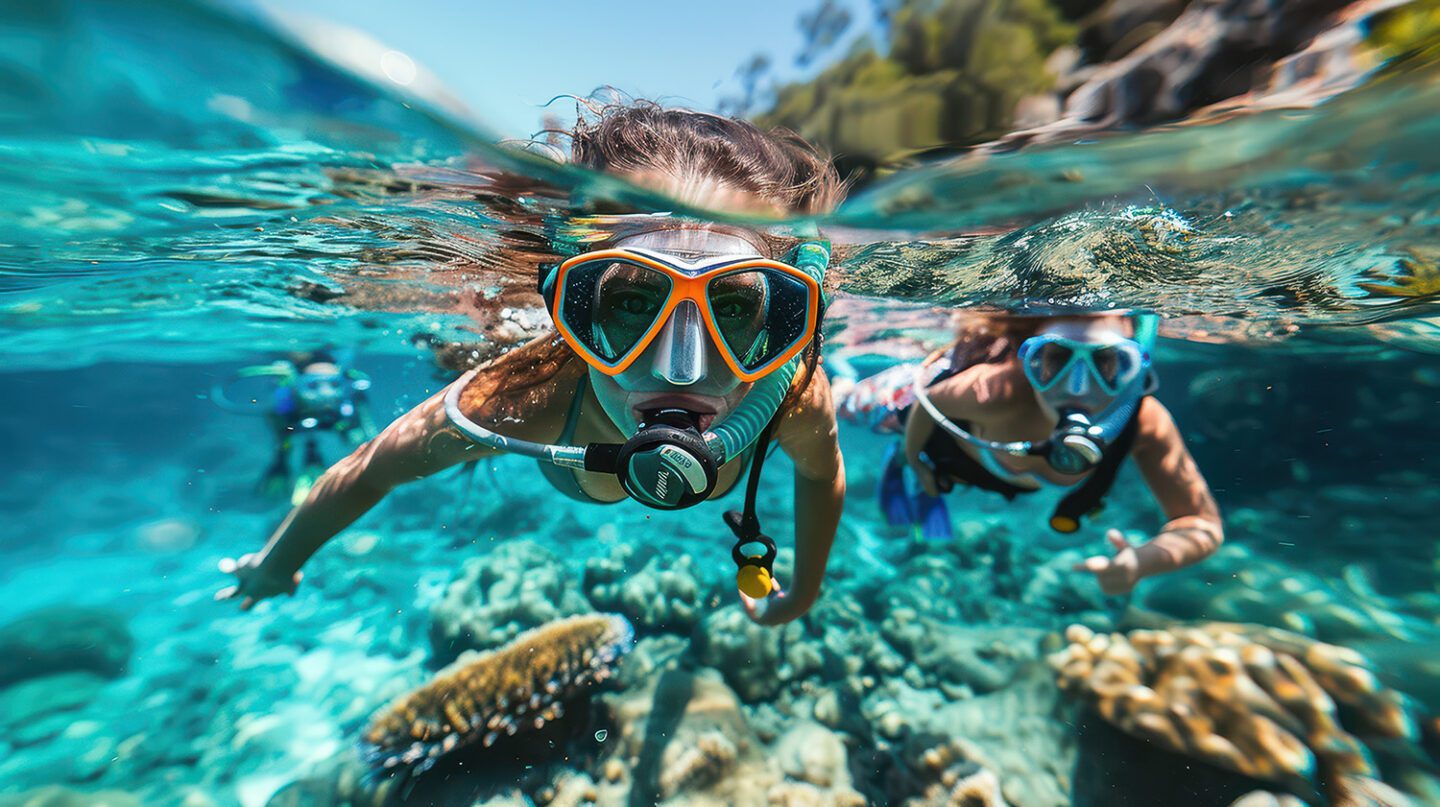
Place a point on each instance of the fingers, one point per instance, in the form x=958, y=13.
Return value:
x=1117, y=540
x=226, y=593
x=228, y=565
x=1094, y=564
x=927, y=481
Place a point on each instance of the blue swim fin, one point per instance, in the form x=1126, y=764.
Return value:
x=894, y=498
x=932, y=518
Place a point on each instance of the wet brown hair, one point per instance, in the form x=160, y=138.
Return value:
x=776, y=166
x=990, y=338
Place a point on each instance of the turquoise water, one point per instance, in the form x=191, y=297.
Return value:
x=181, y=200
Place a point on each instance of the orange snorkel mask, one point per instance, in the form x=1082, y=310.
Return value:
x=610, y=305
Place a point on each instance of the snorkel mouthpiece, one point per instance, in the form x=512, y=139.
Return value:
x=667, y=464
x=1077, y=445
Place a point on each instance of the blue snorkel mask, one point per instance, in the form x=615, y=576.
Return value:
x=1094, y=387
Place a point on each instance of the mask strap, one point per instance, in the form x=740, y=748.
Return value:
x=1147, y=329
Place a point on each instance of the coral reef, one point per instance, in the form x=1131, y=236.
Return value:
x=518, y=586
x=481, y=698
x=748, y=655
x=659, y=596
x=917, y=679
x=61, y=639
x=1021, y=734
x=1261, y=702
x=685, y=739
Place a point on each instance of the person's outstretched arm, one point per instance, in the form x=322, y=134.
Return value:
x=808, y=435
x=420, y=443
x=1192, y=530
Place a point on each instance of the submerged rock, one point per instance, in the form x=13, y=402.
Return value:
x=810, y=752
x=23, y=705
x=519, y=586
x=685, y=739
x=64, y=638
x=661, y=595
x=746, y=654
x=169, y=535
x=1020, y=734
x=978, y=659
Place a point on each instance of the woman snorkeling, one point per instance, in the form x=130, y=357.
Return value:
x=1025, y=404
x=683, y=349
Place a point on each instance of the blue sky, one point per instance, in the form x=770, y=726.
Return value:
x=505, y=60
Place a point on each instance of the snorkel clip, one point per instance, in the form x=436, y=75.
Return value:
x=754, y=574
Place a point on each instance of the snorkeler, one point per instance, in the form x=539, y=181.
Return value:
x=684, y=349
x=1019, y=405
x=312, y=393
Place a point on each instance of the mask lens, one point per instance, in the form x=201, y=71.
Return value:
x=760, y=314
x=1048, y=362
x=609, y=306
x=1107, y=365
x=1118, y=365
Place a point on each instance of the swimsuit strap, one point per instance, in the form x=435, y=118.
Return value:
x=564, y=480
x=572, y=417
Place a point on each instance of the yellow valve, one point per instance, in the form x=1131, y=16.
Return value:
x=753, y=581
x=1064, y=524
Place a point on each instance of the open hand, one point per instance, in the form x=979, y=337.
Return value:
x=1118, y=574
x=254, y=582
x=774, y=604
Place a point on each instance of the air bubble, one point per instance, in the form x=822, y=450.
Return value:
x=601, y=735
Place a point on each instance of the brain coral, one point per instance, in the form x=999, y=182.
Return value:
x=483, y=696
x=1258, y=701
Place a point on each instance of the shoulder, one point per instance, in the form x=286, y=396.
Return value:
x=977, y=387
x=811, y=399
x=523, y=385
x=1157, y=426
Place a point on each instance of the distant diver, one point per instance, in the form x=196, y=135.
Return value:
x=1020, y=405
x=311, y=393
